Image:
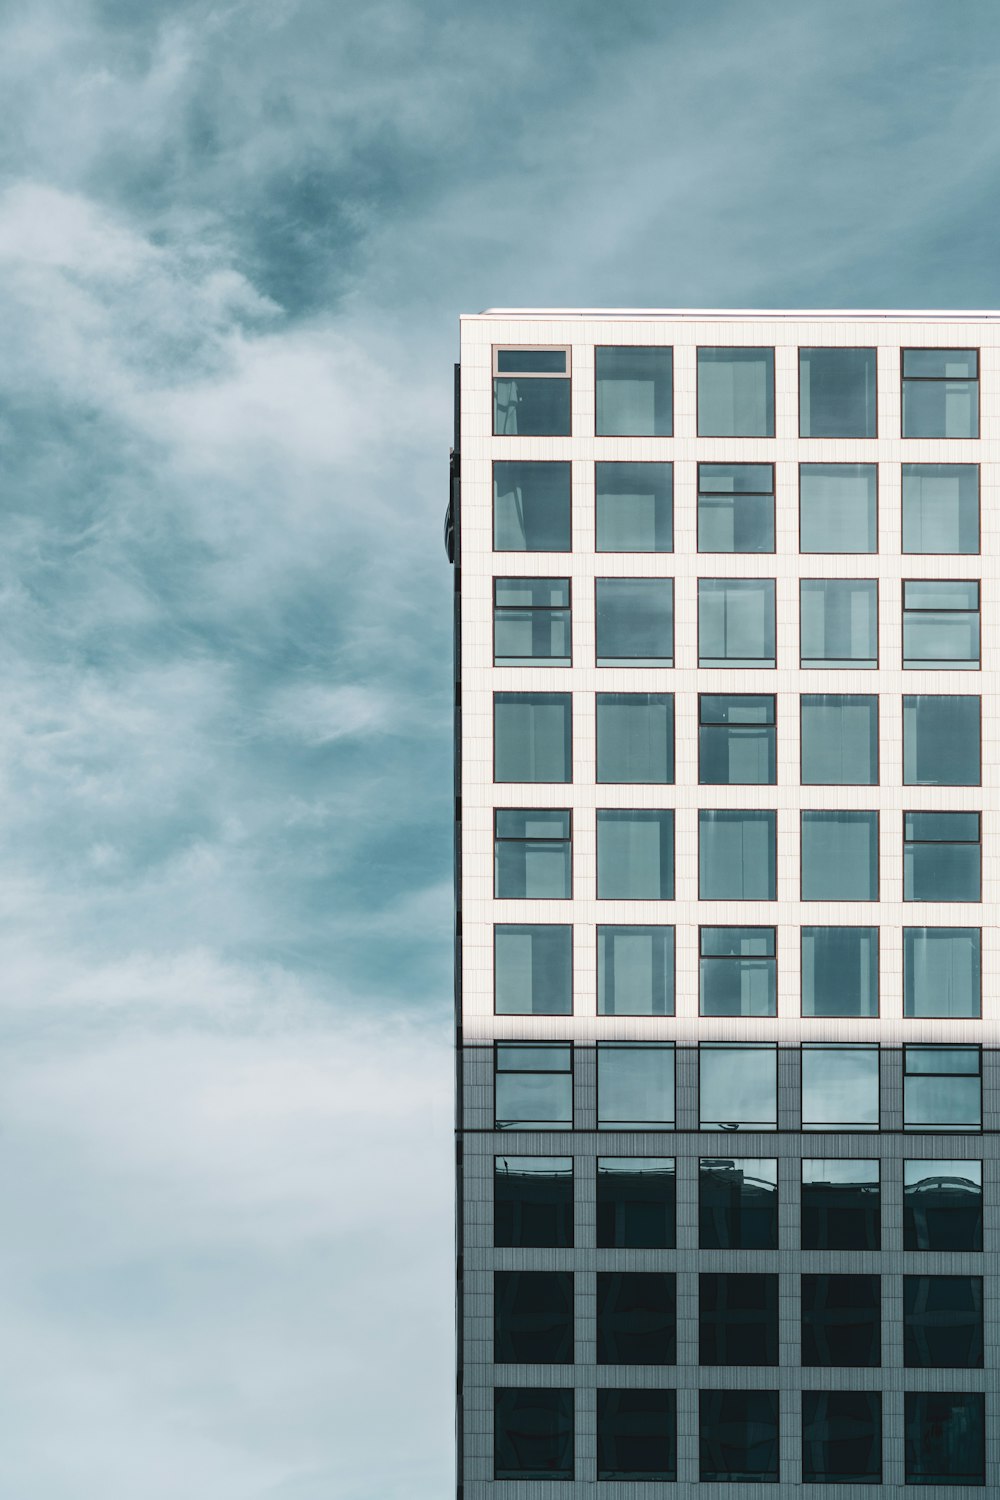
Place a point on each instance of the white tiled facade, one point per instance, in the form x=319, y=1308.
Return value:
x=477, y=565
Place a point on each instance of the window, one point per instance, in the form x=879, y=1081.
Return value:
x=531, y=392
x=533, y=854
x=839, y=739
x=738, y=1086
x=738, y=972
x=841, y=1437
x=636, y=1434
x=840, y=856
x=840, y=1204
x=737, y=856
x=941, y=741
x=532, y=737
x=635, y=738
x=533, y=1433
x=636, y=1318
x=533, y=1317
x=533, y=969
x=940, y=507
x=531, y=622
x=534, y=1086
x=940, y=625
x=945, y=1437
x=737, y=1319
x=635, y=1085
x=635, y=622
x=838, y=508
x=736, y=740
x=841, y=1320
x=942, y=971
x=635, y=507
x=735, y=507
x=941, y=857
x=636, y=1203
x=533, y=1202
x=635, y=854
x=837, y=393
x=635, y=971
x=736, y=393
x=839, y=622
x=940, y=393
x=941, y=1088
x=738, y=1436
x=635, y=392
x=738, y=1203
x=839, y=1087
x=531, y=507
x=840, y=971
x=943, y=1322
x=942, y=1205
x=736, y=622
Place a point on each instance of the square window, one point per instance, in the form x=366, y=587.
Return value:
x=735, y=507
x=736, y=740
x=534, y=1086
x=842, y=1320
x=737, y=1319
x=636, y=1203
x=943, y=1322
x=635, y=391
x=941, y=857
x=837, y=393
x=942, y=1088
x=839, y=739
x=841, y=1437
x=841, y=1204
x=838, y=508
x=738, y=1203
x=736, y=622
x=531, y=392
x=533, y=1317
x=635, y=854
x=738, y=1436
x=636, y=1434
x=940, y=625
x=533, y=737
x=940, y=393
x=942, y=1205
x=635, y=1085
x=941, y=740
x=531, y=507
x=736, y=393
x=945, y=1437
x=840, y=971
x=737, y=856
x=533, y=1433
x=635, y=507
x=532, y=854
x=942, y=971
x=635, y=738
x=533, y=1202
x=840, y=1087
x=941, y=508
x=533, y=969
x=839, y=622
x=635, y=622
x=532, y=622
x=738, y=1086
x=840, y=856
x=738, y=972
x=635, y=971
x=636, y=1318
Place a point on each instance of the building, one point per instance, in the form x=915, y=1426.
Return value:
x=728, y=641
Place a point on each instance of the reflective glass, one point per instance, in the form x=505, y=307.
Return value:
x=636, y=1434
x=837, y=393
x=635, y=855
x=533, y=1433
x=635, y=621
x=841, y=1320
x=941, y=740
x=735, y=508
x=636, y=1318
x=532, y=854
x=941, y=1088
x=940, y=507
x=942, y=1205
x=940, y=393
x=840, y=971
x=533, y=737
x=635, y=971
x=738, y=1203
x=736, y=856
x=838, y=508
x=942, y=971
x=635, y=1085
x=945, y=1437
x=531, y=361
x=840, y=856
x=524, y=406
x=636, y=1203
x=736, y=622
x=534, y=1086
x=533, y=1202
x=840, y=1088
x=635, y=737
x=736, y=740
x=839, y=739
x=940, y=624
x=943, y=1322
x=738, y=1436
x=635, y=507
x=531, y=507
x=635, y=392
x=841, y=1200
x=738, y=972
x=737, y=1086
x=941, y=857
x=531, y=621
x=841, y=1437
x=533, y=968
x=737, y=1319
x=839, y=622
x=735, y=392
x=533, y=1317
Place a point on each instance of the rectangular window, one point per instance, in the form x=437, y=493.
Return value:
x=635, y=1085
x=635, y=854
x=942, y=972
x=841, y=1437
x=532, y=737
x=736, y=393
x=941, y=857
x=531, y=507
x=533, y=1317
x=635, y=391
x=839, y=622
x=635, y=507
x=838, y=508
x=532, y=854
x=840, y=856
x=841, y=1204
x=941, y=740
x=738, y=1086
x=533, y=1202
x=940, y=507
x=840, y=1087
x=533, y=969
x=736, y=622
x=636, y=1203
x=738, y=1203
x=942, y=1205
x=532, y=622
x=940, y=393
x=635, y=971
x=636, y=1318
x=532, y=1433
x=940, y=625
x=839, y=739
x=636, y=1434
x=635, y=738
x=840, y=971
x=737, y=1319
x=737, y=856
x=635, y=622
x=837, y=393
x=842, y=1320
x=945, y=1437
x=738, y=1436
x=531, y=392
x=943, y=1322
x=736, y=740
x=534, y=1086
x=738, y=972
x=942, y=1088
x=735, y=507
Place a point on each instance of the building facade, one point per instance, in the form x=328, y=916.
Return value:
x=727, y=645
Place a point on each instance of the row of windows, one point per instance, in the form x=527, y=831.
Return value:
x=634, y=394
x=737, y=1086
x=738, y=1203
x=737, y=971
x=634, y=507
x=738, y=1436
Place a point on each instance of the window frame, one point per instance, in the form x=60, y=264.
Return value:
x=773, y=726
x=635, y=1044
x=644, y=663
x=868, y=697
x=642, y=348
x=617, y=927
x=956, y=927
x=853, y=813
x=736, y=663
x=979, y=504
x=843, y=437
x=805, y=927
x=627, y=693
x=646, y=814
x=915, y=1403
x=497, y=813
x=528, y=551
x=518, y=348
x=531, y=663
x=625, y=463
x=570, y=1072
x=970, y=812
x=938, y=380
x=743, y=437
x=748, y=1128
x=818, y=464
x=771, y=957
x=840, y=664
x=970, y=666
x=755, y=811
x=497, y=926
x=937, y=1128
x=530, y=693
x=840, y=1127
x=937, y=785
x=534, y=1156
x=770, y=494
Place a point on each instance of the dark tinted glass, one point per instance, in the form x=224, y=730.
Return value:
x=533, y=968
x=635, y=971
x=636, y=1434
x=738, y=1435
x=738, y=1203
x=943, y=1322
x=531, y=361
x=635, y=737
x=636, y=1318
x=533, y=1433
x=840, y=1204
x=840, y=971
x=533, y=1317
x=841, y=1437
x=941, y=738
x=531, y=507
x=636, y=1200
x=527, y=407
x=635, y=392
x=533, y=1201
x=942, y=1205
x=736, y=740
x=841, y=1320
x=533, y=737
x=945, y=1437
x=738, y=1319
x=839, y=739
x=635, y=507
x=837, y=393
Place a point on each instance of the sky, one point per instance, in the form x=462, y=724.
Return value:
x=235, y=239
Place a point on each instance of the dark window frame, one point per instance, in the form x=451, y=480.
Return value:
x=939, y=380
x=859, y=664
x=852, y=927
x=979, y=502
x=645, y=664
x=599, y=927
x=497, y=839
x=878, y=738
x=936, y=1128
x=625, y=463
x=971, y=812
x=626, y=693
x=530, y=693
x=642, y=348
x=572, y=948
x=533, y=662
x=772, y=957
x=843, y=438
x=525, y=348
x=673, y=860
x=838, y=1127
x=733, y=437
x=729, y=664
x=770, y=494
x=728, y=727
x=773, y=811
x=819, y=463
x=525, y=551
x=842, y=900
x=941, y=927
x=971, y=666
x=979, y=698
x=570, y=1072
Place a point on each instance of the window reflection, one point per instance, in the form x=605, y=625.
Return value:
x=837, y=508
x=841, y=1320
x=533, y=969
x=837, y=393
x=840, y=1087
x=942, y=1205
x=533, y=737
x=636, y=1203
x=738, y=1435
x=636, y=1318
x=533, y=1317
x=635, y=507
x=533, y=1201
x=737, y=1319
x=533, y=1433
x=943, y=1322
x=635, y=738
x=636, y=1434
x=736, y=740
x=735, y=392
x=738, y=1086
x=738, y=1203
x=841, y=1437
x=635, y=1085
x=736, y=622
x=839, y=739
x=840, y=971
x=634, y=391
x=531, y=507
x=735, y=508
x=840, y=1204
x=945, y=1437
x=941, y=740
x=635, y=621
x=839, y=622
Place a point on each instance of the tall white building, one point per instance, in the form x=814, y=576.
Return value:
x=727, y=651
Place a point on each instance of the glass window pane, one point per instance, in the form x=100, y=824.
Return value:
x=840, y=971
x=941, y=740
x=736, y=740
x=635, y=1085
x=533, y=738
x=735, y=508
x=636, y=1203
x=941, y=364
x=840, y=856
x=738, y=1203
x=533, y=1201
x=942, y=1205
x=838, y=508
x=737, y=856
x=841, y=1437
x=941, y=857
x=840, y=1088
x=533, y=1433
x=524, y=406
x=532, y=855
x=635, y=392
x=941, y=1088
x=737, y=1086
x=531, y=621
x=636, y=1434
x=635, y=507
x=943, y=1322
x=841, y=1320
x=636, y=1318
x=945, y=1437
x=738, y=1436
x=841, y=1204
x=736, y=622
x=531, y=507
x=531, y=361
x=940, y=508
x=738, y=972
x=635, y=971
x=940, y=594
x=839, y=739
x=940, y=393
x=534, y=1086
x=736, y=392
x=837, y=393
x=737, y=1319
x=635, y=737
x=941, y=971
x=635, y=855
x=533, y=1317
x=635, y=621
x=839, y=622
x=533, y=970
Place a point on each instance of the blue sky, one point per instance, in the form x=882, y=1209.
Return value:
x=234, y=242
